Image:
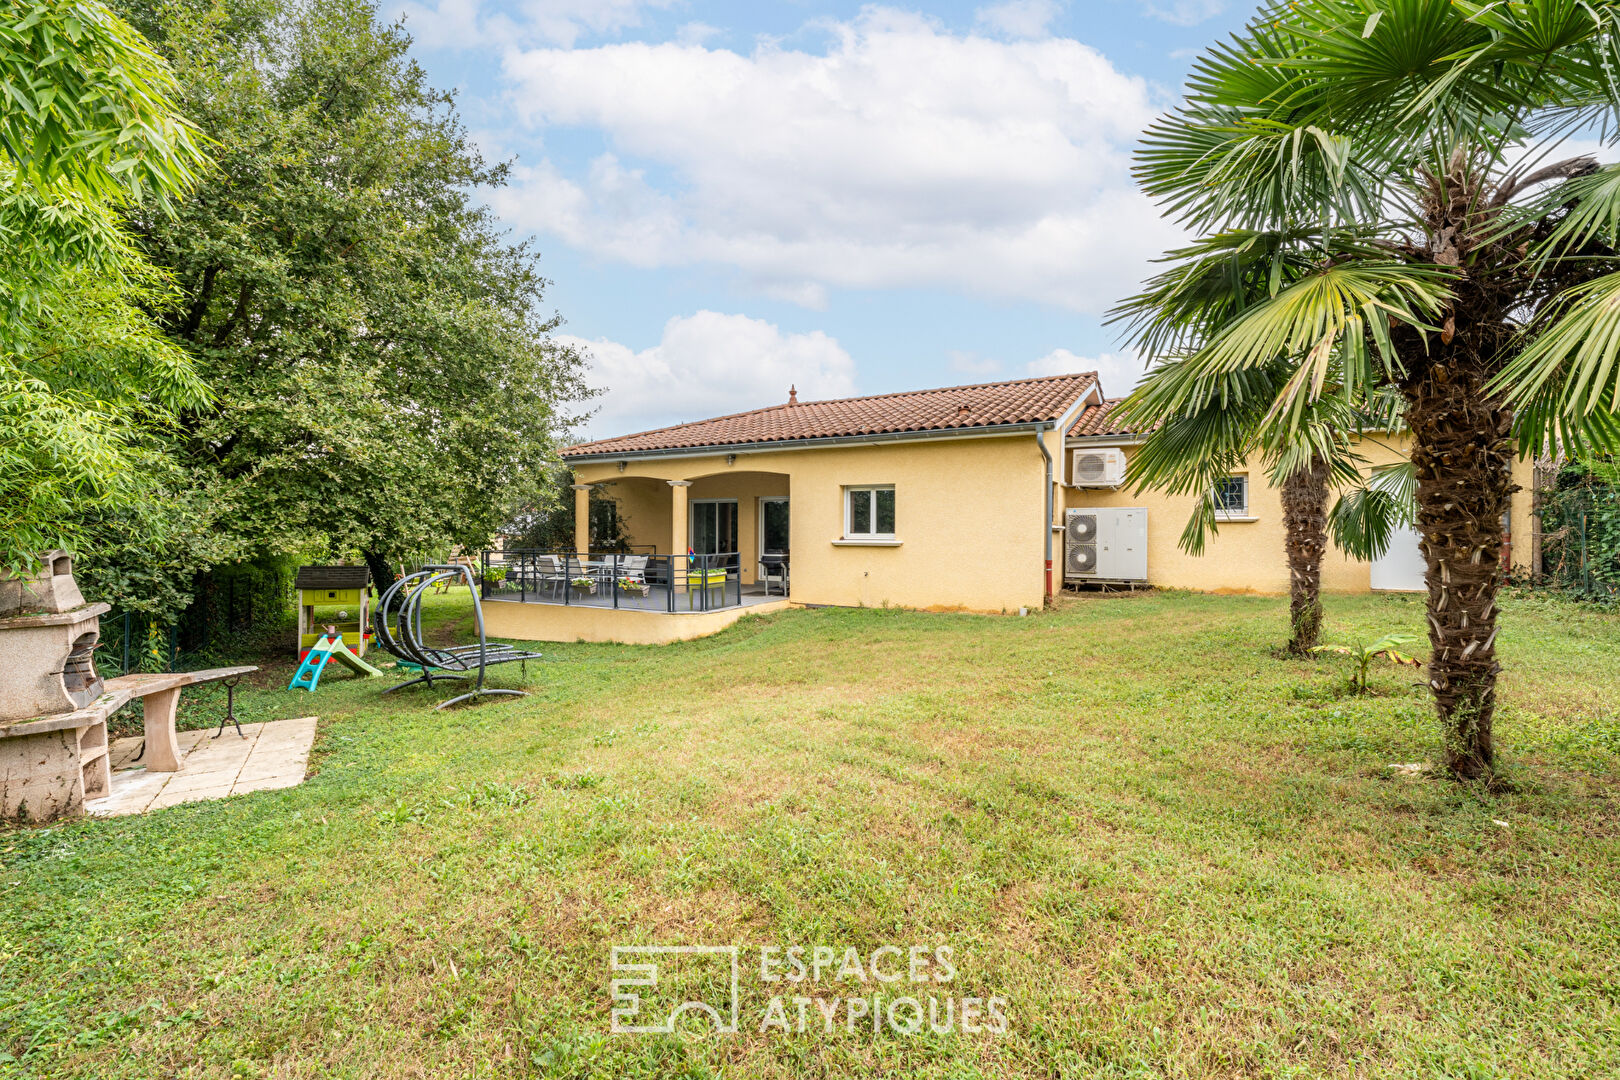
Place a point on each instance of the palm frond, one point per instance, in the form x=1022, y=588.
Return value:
x=1327, y=317
x=1365, y=518
x=1211, y=282
x=1565, y=383
x=1590, y=206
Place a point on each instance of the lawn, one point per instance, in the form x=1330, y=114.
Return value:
x=1171, y=853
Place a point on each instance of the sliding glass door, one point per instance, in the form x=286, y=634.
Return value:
x=714, y=526
x=773, y=526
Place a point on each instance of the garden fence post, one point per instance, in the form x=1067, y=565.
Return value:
x=1586, y=565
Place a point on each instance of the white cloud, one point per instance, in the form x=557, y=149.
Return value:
x=1185, y=12
x=696, y=33
x=1018, y=18
x=462, y=24
x=709, y=364
x=972, y=363
x=905, y=156
x=1118, y=372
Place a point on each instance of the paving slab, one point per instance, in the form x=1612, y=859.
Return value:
x=265, y=757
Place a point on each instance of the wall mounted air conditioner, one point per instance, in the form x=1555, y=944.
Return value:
x=1105, y=544
x=1103, y=467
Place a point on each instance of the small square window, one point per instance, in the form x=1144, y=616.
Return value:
x=1232, y=497
x=869, y=513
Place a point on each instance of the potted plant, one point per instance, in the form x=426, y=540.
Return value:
x=634, y=587
x=583, y=584
x=494, y=575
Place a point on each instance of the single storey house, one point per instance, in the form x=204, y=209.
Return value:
x=985, y=498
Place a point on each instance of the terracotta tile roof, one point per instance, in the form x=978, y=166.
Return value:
x=1099, y=420
x=1022, y=401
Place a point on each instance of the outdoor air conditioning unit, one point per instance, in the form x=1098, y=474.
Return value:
x=1105, y=544
x=1104, y=467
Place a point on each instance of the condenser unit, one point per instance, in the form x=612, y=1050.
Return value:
x=1105, y=544
x=1103, y=467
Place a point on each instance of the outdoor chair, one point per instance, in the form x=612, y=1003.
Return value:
x=549, y=574
x=398, y=625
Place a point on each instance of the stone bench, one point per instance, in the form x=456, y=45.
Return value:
x=65, y=754
x=160, y=697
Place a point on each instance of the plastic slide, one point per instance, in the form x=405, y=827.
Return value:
x=329, y=647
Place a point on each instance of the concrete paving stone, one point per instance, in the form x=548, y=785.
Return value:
x=211, y=778
x=275, y=754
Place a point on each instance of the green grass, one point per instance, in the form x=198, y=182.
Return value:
x=1174, y=854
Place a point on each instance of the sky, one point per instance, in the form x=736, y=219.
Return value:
x=730, y=198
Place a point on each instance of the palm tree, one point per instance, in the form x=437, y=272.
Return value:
x=1392, y=170
x=1191, y=451
x=1194, y=441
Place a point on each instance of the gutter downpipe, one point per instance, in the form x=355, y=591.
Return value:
x=1040, y=441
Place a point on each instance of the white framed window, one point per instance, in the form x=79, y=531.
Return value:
x=1232, y=497
x=869, y=512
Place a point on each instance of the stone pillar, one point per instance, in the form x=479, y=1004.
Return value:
x=162, y=748
x=582, y=518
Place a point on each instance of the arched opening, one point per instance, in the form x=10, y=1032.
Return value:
x=79, y=676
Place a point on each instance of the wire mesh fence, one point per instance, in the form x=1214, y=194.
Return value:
x=1580, y=536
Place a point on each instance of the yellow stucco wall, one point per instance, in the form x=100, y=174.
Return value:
x=1248, y=556
x=566, y=622
x=969, y=517
x=969, y=520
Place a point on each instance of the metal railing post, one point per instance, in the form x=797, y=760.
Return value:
x=615, y=584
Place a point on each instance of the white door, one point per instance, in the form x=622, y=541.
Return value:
x=1401, y=567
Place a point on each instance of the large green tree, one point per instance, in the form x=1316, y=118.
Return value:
x=88, y=125
x=1408, y=153
x=383, y=373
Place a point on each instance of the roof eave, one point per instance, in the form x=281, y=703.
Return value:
x=1108, y=440
x=986, y=431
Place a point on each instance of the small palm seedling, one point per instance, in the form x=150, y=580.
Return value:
x=1388, y=646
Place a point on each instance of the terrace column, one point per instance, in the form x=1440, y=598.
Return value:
x=582, y=518
x=677, y=516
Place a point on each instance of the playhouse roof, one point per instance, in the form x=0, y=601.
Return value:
x=332, y=577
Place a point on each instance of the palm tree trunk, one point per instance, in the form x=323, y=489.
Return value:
x=1304, y=506
x=1463, y=463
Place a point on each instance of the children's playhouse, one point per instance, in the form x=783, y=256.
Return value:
x=333, y=596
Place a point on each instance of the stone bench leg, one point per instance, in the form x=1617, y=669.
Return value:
x=162, y=750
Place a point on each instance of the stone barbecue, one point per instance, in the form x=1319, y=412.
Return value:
x=53, y=740
x=54, y=705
